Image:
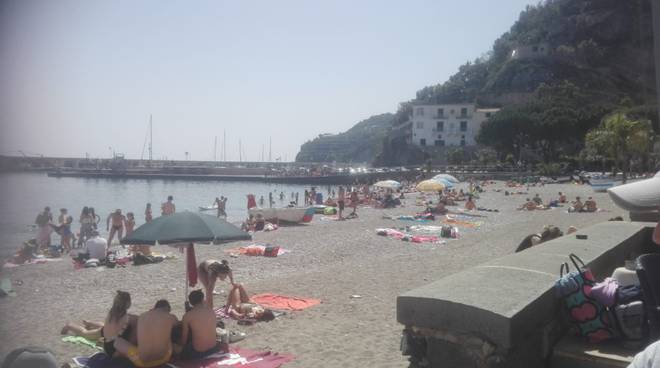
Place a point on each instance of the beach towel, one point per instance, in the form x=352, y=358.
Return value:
x=462, y=223
x=79, y=340
x=266, y=250
x=282, y=302
x=236, y=358
x=392, y=233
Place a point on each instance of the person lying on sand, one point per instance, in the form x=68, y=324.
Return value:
x=562, y=198
x=548, y=233
x=154, y=331
x=240, y=306
x=118, y=323
x=439, y=209
x=198, y=336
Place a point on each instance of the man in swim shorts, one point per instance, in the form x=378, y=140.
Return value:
x=198, y=336
x=117, y=219
x=154, y=331
x=168, y=207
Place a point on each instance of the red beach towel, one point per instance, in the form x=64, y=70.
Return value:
x=248, y=359
x=282, y=302
x=191, y=265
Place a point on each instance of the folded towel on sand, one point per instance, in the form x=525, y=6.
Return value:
x=236, y=358
x=79, y=340
x=282, y=302
x=258, y=250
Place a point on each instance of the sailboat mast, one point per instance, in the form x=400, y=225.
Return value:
x=240, y=152
x=151, y=137
x=224, y=145
x=215, y=149
x=270, y=149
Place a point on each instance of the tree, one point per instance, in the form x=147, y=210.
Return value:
x=621, y=140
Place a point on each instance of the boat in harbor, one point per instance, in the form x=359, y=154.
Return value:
x=603, y=182
x=294, y=215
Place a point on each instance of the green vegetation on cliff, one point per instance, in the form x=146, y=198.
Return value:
x=600, y=52
x=358, y=144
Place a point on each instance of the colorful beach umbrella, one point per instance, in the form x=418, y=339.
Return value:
x=391, y=184
x=429, y=186
x=447, y=177
x=445, y=182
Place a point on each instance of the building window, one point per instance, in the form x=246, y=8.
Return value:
x=422, y=142
x=463, y=126
x=440, y=126
x=463, y=111
x=420, y=125
x=441, y=112
x=439, y=136
x=419, y=111
x=488, y=114
x=439, y=143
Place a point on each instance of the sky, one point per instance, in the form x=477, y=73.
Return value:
x=83, y=77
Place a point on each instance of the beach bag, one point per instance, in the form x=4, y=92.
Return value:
x=587, y=314
x=446, y=231
x=605, y=291
x=630, y=320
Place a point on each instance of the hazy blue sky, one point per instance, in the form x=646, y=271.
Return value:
x=81, y=76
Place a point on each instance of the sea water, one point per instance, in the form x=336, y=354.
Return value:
x=24, y=195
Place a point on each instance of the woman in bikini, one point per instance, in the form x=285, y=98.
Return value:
x=118, y=323
x=240, y=306
x=211, y=270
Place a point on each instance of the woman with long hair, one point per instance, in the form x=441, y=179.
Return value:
x=118, y=323
x=211, y=270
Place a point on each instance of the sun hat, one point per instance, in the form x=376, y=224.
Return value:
x=640, y=196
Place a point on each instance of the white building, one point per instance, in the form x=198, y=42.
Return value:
x=447, y=125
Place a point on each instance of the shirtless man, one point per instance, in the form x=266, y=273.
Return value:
x=117, y=219
x=577, y=205
x=529, y=205
x=154, y=331
x=198, y=336
x=590, y=205
x=470, y=205
x=168, y=207
x=562, y=198
x=222, y=206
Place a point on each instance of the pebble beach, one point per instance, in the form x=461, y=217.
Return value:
x=354, y=272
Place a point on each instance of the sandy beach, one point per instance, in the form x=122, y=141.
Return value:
x=329, y=260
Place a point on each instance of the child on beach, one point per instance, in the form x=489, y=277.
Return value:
x=470, y=205
x=129, y=223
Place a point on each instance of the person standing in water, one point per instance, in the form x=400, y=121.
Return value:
x=168, y=208
x=43, y=221
x=148, y=216
x=117, y=219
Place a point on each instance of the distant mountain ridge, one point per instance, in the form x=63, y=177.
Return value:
x=358, y=144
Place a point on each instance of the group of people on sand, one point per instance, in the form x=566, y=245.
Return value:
x=152, y=338
x=116, y=224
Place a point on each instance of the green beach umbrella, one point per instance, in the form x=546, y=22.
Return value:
x=185, y=227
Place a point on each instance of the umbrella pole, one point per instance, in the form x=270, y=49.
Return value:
x=185, y=296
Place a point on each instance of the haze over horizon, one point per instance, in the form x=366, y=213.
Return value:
x=82, y=77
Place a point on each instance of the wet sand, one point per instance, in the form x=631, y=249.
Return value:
x=329, y=260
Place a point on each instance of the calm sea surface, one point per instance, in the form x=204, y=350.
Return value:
x=24, y=195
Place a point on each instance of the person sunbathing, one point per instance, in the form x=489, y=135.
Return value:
x=562, y=198
x=470, y=205
x=439, y=209
x=577, y=205
x=118, y=324
x=548, y=233
x=154, y=331
x=529, y=205
x=198, y=336
x=240, y=306
x=590, y=205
